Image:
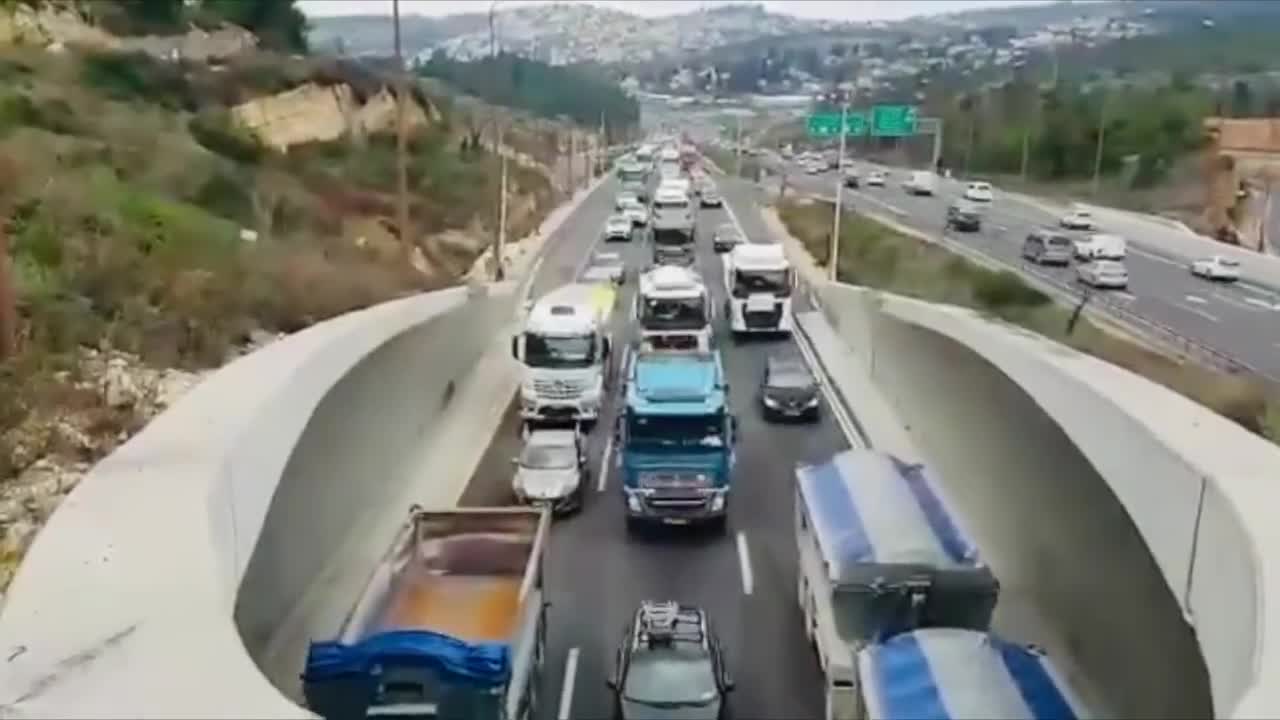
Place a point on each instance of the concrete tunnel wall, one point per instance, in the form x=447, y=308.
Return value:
x=349, y=482
x=124, y=604
x=1083, y=484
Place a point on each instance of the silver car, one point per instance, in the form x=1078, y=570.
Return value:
x=1101, y=274
x=551, y=469
x=606, y=267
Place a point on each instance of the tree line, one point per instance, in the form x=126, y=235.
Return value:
x=279, y=24
x=549, y=91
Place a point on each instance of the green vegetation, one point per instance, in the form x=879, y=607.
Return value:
x=279, y=24
x=874, y=255
x=548, y=91
x=139, y=218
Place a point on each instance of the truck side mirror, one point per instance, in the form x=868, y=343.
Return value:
x=515, y=347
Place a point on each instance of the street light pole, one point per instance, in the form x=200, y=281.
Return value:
x=834, y=255
x=1102, y=131
x=402, y=164
x=499, y=236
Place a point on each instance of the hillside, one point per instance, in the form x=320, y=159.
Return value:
x=158, y=218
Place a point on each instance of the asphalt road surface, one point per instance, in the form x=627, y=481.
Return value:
x=1242, y=320
x=597, y=574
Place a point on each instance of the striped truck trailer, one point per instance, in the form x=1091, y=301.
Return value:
x=879, y=554
x=946, y=673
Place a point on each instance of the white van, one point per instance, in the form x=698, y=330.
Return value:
x=921, y=182
x=1101, y=246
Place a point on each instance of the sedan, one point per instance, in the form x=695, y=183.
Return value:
x=789, y=390
x=617, y=227
x=637, y=213
x=606, y=267
x=711, y=197
x=1077, y=220
x=979, y=192
x=964, y=216
x=875, y=178
x=726, y=237
x=850, y=178
x=1103, y=274
x=551, y=469
x=1217, y=268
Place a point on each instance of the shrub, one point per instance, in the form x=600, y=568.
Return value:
x=1005, y=290
x=227, y=195
x=130, y=77
x=216, y=131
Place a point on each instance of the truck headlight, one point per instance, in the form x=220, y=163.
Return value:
x=528, y=393
x=633, y=503
x=717, y=502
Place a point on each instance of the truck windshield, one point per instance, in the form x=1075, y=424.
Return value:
x=673, y=314
x=772, y=282
x=679, y=430
x=559, y=352
x=631, y=176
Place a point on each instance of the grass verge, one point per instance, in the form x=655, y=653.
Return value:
x=877, y=256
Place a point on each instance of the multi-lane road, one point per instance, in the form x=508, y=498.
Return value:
x=597, y=573
x=1241, y=321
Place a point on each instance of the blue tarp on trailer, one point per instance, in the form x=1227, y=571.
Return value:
x=869, y=507
x=456, y=661
x=946, y=673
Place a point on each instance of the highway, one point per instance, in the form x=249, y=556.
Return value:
x=1241, y=320
x=597, y=574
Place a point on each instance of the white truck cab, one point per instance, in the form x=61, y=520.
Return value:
x=564, y=347
x=760, y=282
x=673, y=310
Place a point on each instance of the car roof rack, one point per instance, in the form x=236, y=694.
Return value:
x=663, y=623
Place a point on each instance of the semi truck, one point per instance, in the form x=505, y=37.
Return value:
x=760, y=281
x=673, y=310
x=879, y=554
x=634, y=178
x=565, y=349
x=673, y=227
x=675, y=437
x=452, y=623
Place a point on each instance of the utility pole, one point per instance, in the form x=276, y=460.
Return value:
x=737, y=143
x=603, y=145
x=499, y=273
x=973, y=130
x=402, y=163
x=573, y=154
x=834, y=256
x=1102, y=131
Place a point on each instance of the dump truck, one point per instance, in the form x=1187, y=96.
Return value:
x=879, y=554
x=452, y=623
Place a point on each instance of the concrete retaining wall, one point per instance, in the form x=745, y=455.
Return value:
x=1038, y=443
x=233, y=508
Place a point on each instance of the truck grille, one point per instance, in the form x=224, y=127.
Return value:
x=558, y=389
x=763, y=318
x=677, y=500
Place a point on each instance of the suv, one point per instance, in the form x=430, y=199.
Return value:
x=964, y=215
x=1047, y=247
x=670, y=665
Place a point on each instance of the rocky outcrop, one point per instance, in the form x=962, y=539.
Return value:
x=60, y=26
x=320, y=113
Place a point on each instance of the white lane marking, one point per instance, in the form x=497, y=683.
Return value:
x=744, y=563
x=872, y=199
x=606, y=463
x=1002, y=228
x=1126, y=296
x=1196, y=311
x=566, y=691
x=1157, y=258
x=1197, y=300
x=1241, y=304
x=1262, y=304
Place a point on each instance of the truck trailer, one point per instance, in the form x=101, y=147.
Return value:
x=945, y=673
x=452, y=623
x=879, y=555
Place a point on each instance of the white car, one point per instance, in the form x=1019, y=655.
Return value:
x=1217, y=267
x=1100, y=246
x=1107, y=274
x=637, y=213
x=979, y=192
x=617, y=227
x=606, y=267
x=1077, y=219
x=815, y=168
x=875, y=178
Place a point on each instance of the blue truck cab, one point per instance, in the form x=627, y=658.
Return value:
x=675, y=438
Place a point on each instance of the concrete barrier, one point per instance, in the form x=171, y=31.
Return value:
x=184, y=554
x=1137, y=522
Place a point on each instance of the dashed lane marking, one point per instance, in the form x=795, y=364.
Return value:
x=566, y=691
x=744, y=563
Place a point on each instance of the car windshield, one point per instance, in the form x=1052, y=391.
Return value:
x=747, y=282
x=695, y=430
x=789, y=374
x=1058, y=240
x=559, y=352
x=670, y=204
x=632, y=205
x=619, y=220
x=681, y=673
x=548, y=457
x=673, y=314
x=1229, y=263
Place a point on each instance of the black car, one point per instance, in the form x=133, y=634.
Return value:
x=964, y=216
x=670, y=665
x=851, y=178
x=789, y=390
x=726, y=237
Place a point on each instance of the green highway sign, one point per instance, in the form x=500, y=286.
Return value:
x=894, y=120
x=826, y=125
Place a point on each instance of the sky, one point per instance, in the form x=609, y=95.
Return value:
x=814, y=9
